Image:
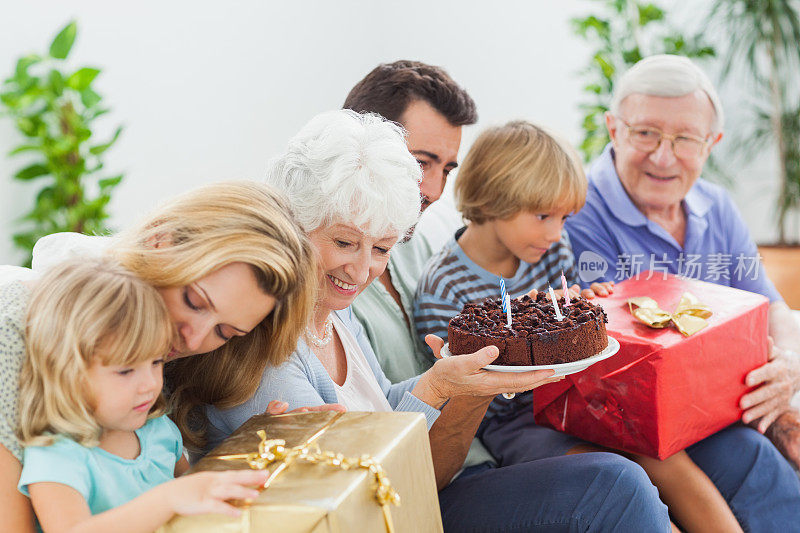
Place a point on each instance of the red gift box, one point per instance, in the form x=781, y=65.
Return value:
x=662, y=391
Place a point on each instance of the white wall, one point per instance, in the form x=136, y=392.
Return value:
x=210, y=90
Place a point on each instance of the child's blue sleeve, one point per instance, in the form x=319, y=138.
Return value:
x=63, y=462
x=172, y=434
x=432, y=314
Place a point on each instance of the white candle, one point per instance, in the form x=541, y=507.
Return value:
x=555, y=304
x=508, y=311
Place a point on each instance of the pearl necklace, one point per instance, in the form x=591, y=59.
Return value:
x=326, y=337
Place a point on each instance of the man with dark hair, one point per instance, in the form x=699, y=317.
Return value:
x=430, y=106
x=391, y=87
x=601, y=492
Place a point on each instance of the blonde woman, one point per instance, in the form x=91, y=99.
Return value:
x=235, y=273
x=99, y=449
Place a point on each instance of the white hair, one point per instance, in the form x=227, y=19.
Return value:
x=669, y=76
x=346, y=167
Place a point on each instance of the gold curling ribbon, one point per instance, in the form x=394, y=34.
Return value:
x=275, y=451
x=689, y=317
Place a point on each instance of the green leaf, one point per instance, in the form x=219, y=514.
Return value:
x=631, y=56
x=10, y=100
x=100, y=148
x=582, y=26
x=56, y=81
x=25, y=148
x=82, y=78
x=62, y=44
x=47, y=193
x=32, y=171
x=109, y=183
x=25, y=240
x=649, y=13
x=27, y=126
x=90, y=98
x=705, y=51
x=593, y=88
x=23, y=63
x=38, y=99
x=96, y=113
x=605, y=65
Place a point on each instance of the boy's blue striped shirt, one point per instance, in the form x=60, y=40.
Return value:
x=451, y=279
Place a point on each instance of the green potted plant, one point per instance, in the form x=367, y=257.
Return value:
x=767, y=46
x=54, y=109
x=622, y=33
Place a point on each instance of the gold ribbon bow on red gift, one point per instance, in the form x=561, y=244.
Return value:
x=275, y=451
x=689, y=317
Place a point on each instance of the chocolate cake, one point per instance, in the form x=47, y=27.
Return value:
x=536, y=337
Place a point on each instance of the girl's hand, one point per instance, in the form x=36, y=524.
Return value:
x=463, y=375
x=277, y=407
x=598, y=289
x=208, y=492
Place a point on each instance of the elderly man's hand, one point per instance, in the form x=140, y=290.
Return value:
x=605, y=288
x=464, y=376
x=779, y=379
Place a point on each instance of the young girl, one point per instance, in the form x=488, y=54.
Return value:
x=99, y=450
x=516, y=188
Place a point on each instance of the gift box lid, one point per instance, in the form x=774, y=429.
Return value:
x=322, y=497
x=667, y=289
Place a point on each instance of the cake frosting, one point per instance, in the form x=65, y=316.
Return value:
x=536, y=336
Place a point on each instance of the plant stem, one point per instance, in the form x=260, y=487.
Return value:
x=776, y=94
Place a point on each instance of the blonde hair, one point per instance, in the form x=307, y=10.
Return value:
x=196, y=234
x=80, y=311
x=518, y=167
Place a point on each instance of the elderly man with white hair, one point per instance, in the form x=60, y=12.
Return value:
x=647, y=208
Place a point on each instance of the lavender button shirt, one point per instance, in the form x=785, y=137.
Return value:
x=613, y=240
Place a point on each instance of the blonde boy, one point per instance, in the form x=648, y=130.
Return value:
x=517, y=186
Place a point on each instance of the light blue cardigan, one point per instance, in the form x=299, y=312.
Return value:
x=303, y=382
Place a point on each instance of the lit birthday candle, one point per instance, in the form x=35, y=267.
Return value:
x=505, y=302
x=506, y=305
x=566, y=289
x=555, y=304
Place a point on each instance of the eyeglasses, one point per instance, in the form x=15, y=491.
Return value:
x=684, y=146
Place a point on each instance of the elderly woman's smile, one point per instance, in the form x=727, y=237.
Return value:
x=351, y=259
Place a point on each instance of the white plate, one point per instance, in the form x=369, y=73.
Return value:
x=563, y=369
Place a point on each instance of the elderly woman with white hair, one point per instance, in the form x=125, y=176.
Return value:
x=646, y=205
x=355, y=190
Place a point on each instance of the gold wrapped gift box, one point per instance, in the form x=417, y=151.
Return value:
x=321, y=497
